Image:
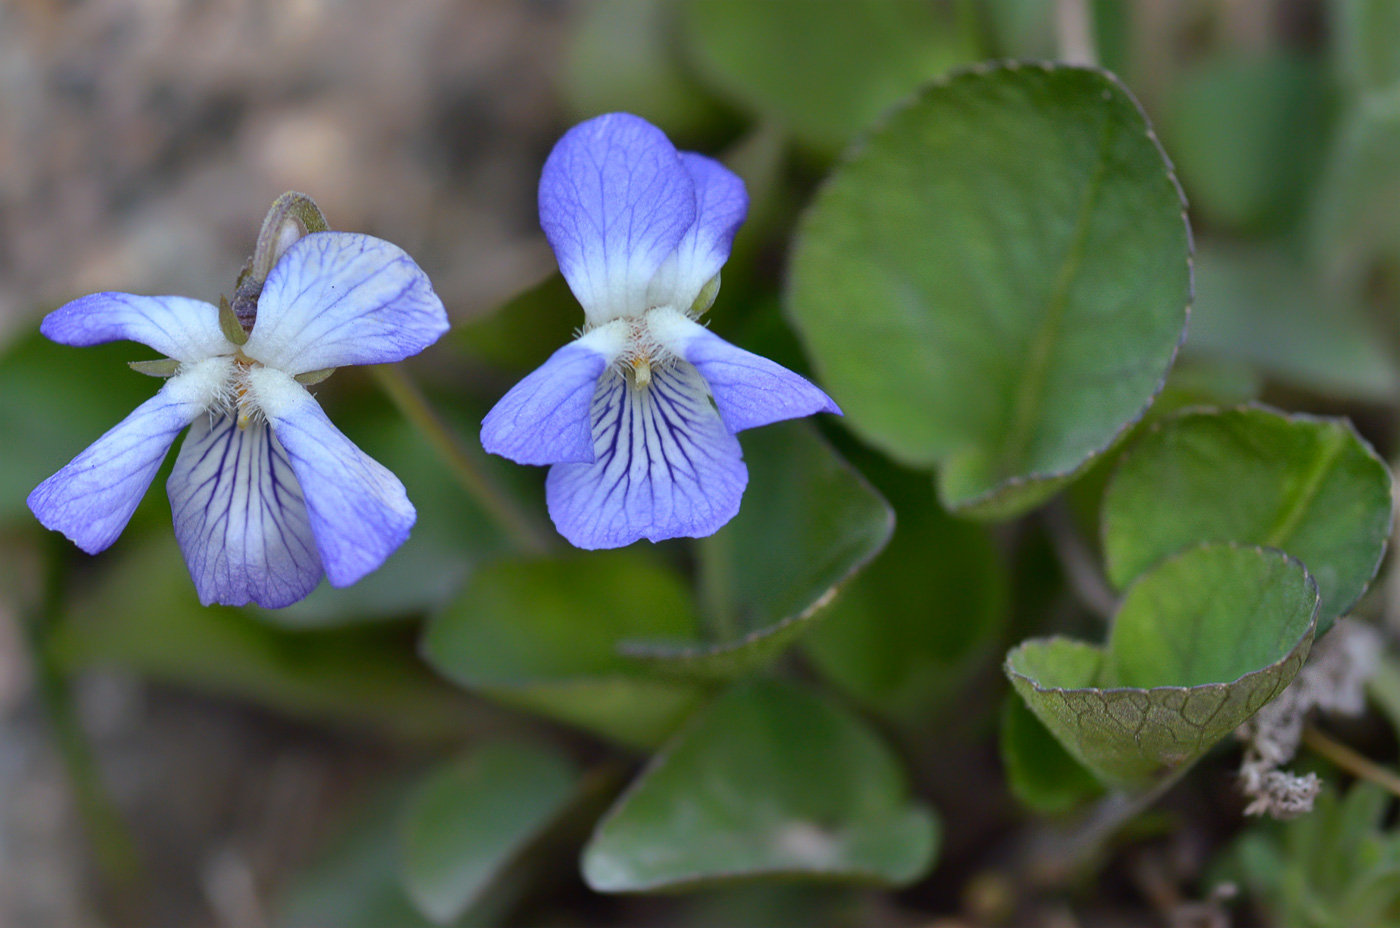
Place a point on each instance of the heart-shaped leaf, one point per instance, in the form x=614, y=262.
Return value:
x=822, y=70
x=1309, y=486
x=1199, y=645
x=543, y=635
x=809, y=522
x=470, y=818
x=770, y=781
x=996, y=280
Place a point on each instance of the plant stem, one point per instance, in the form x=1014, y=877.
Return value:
x=1085, y=578
x=716, y=581
x=410, y=401
x=1351, y=761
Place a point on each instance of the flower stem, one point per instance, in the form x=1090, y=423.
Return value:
x=1351, y=761
x=405, y=395
x=716, y=587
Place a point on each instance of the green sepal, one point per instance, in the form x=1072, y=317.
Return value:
x=163, y=367
x=229, y=324
x=706, y=297
x=311, y=378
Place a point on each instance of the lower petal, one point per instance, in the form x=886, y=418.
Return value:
x=359, y=511
x=94, y=496
x=666, y=466
x=240, y=517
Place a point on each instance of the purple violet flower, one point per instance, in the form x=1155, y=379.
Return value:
x=267, y=495
x=637, y=415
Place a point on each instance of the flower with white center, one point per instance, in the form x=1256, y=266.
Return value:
x=638, y=414
x=267, y=495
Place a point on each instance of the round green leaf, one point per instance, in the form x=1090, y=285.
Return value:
x=1040, y=772
x=823, y=70
x=1309, y=486
x=543, y=635
x=1199, y=645
x=809, y=522
x=770, y=781
x=997, y=279
x=470, y=818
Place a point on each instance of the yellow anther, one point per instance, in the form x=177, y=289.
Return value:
x=641, y=369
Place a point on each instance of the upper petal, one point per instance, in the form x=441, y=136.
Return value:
x=358, y=510
x=544, y=418
x=339, y=298
x=240, y=518
x=721, y=205
x=666, y=466
x=94, y=496
x=749, y=389
x=615, y=201
x=176, y=326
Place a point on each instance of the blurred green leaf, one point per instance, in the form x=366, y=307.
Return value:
x=809, y=522
x=522, y=334
x=1355, y=227
x=621, y=57
x=468, y=819
x=1248, y=134
x=905, y=632
x=1365, y=38
x=1257, y=304
x=770, y=781
x=54, y=402
x=1017, y=251
x=1309, y=486
x=142, y=614
x=1199, y=645
x=542, y=635
x=823, y=70
x=1040, y=772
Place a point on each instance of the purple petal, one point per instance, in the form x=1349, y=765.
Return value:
x=544, y=418
x=666, y=467
x=749, y=390
x=240, y=518
x=338, y=298
x=722, y=204
x=176, y=326
x=358, y=510
x=94, y=496
x=615, y=201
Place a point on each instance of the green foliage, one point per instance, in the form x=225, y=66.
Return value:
x=469, y=818
x=771, y=570
x=542, y=635
x=1311, y=487
x=824, y=71
x=770, y=781
x=1366, y=44
x=1199, y=644
x=1041, y=773
x=1015, y=245
x=1338, y=867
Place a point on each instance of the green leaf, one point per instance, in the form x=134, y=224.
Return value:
x=1309, y=486
x=470, y=818
x=928, y=610
x=770, y=781
x=1365, y=38
x=809, y=522
x=1017, y=249
x=143, y=615
x=1256, y=304
x=523, y=333
x=1248, y=134
x=823, y=70
x=542, y=635
x=620, y=57
x=1040, y=772
x=1199, y=645
x=54, y=402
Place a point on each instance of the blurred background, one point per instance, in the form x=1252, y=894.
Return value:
x=166, y=765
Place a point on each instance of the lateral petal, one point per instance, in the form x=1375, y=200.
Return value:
x=666, y=466
x=544, y=419
x=358, y=510
x=338, y=298
x=240, y=517
x=615, y=200
x=749, y=389
x=176, y=326
x=94, y=496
